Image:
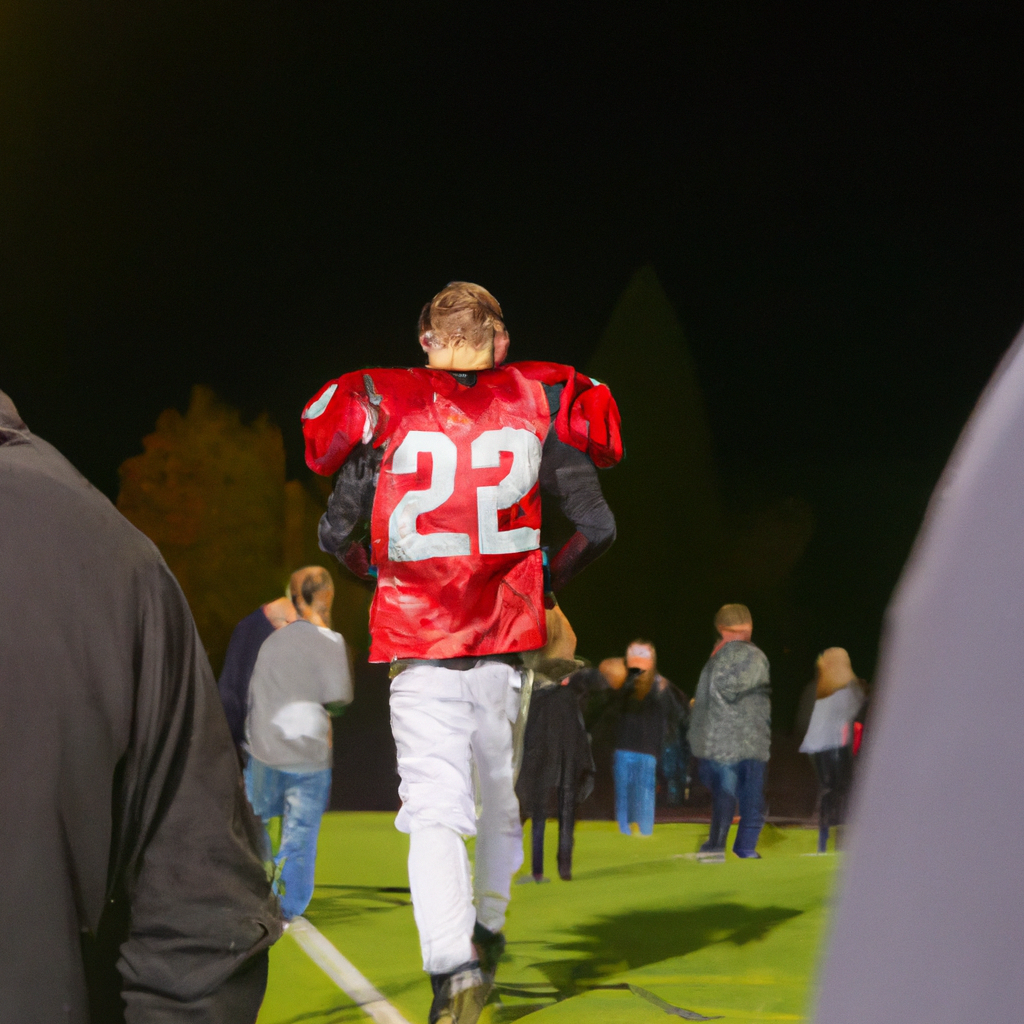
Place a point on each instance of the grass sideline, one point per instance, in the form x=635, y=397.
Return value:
x=739, y=939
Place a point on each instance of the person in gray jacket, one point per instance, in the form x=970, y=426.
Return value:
x=302, y=678
x=730, y=733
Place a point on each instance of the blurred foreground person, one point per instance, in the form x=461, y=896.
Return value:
x=302, y=678
x=730, y=731
x=556, y=748
x=446, y=462
x=829, y=739
x=136, y=890
x=246, y=640
x=930, y=918
x=639, y=733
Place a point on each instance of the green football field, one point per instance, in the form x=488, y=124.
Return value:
x=740, y=939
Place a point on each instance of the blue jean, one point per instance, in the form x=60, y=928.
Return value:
x=299, y=799
x=675, y=767
x=634, y=790
x=742, y=782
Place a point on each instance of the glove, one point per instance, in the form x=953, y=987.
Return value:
x=357, y=560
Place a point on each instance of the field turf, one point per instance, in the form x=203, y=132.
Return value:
x=739, y=939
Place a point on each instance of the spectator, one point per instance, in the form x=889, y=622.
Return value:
x=246, y=639
x=829, y=738
x=730, y=731
x=137, y=890
x=639, y=734
x=302, y=677
x=556, y=747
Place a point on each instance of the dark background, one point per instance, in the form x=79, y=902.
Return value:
x=260, y=196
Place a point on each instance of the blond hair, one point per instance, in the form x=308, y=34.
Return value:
x=834, y=671
x=461, y=313
x=732, y=616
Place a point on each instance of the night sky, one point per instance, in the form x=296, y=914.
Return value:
x=259, y=196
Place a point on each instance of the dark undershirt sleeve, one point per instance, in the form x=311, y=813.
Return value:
x=568, y=475
x=350, y=504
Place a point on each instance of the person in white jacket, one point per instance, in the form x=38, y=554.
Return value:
x=829, y=739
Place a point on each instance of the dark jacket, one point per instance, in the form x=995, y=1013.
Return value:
x=642, y=721
x=556, y=747
x=134, y=889
x=246, y=640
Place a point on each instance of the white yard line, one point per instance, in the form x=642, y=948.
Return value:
x=322, y=952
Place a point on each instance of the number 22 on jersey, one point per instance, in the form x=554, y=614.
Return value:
x=406, y=544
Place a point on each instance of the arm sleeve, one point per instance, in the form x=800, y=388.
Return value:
x=350, y=504
x=340, y=691
x=568, y=475
x=189, y=884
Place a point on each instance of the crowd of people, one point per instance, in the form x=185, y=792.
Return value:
x=157, y=891
x=725, y=729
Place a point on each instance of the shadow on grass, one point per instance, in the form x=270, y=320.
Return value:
x=639, y=867
x=333, y=903
x=611, y=945
x=331, y=1015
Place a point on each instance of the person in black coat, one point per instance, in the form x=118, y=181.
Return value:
x=556, y=756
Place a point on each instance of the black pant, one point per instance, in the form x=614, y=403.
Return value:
x=834, y=769
x=566, y=826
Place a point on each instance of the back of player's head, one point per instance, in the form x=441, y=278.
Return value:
x=311, y=586
x=460, y=314
x=733, y=616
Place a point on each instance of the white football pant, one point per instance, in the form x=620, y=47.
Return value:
x=444, y=722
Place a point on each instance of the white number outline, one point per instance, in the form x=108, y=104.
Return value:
x=406, y=544
x=485, y=453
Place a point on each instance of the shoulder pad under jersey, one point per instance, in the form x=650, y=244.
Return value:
x=346, y=412
x=587, y=417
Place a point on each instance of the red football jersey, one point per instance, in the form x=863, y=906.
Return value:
x=455, y=529
x=455, y=532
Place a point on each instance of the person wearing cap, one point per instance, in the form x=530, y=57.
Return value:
x=730, y=732
x=639, y=734
x=829, y=739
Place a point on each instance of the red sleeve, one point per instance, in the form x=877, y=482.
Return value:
x=337, y=418
x=588, y=418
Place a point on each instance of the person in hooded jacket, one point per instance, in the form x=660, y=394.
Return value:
x=730, y=731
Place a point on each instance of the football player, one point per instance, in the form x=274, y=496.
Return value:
x=446, y=463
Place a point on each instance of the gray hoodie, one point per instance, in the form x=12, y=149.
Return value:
x=732, y=711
